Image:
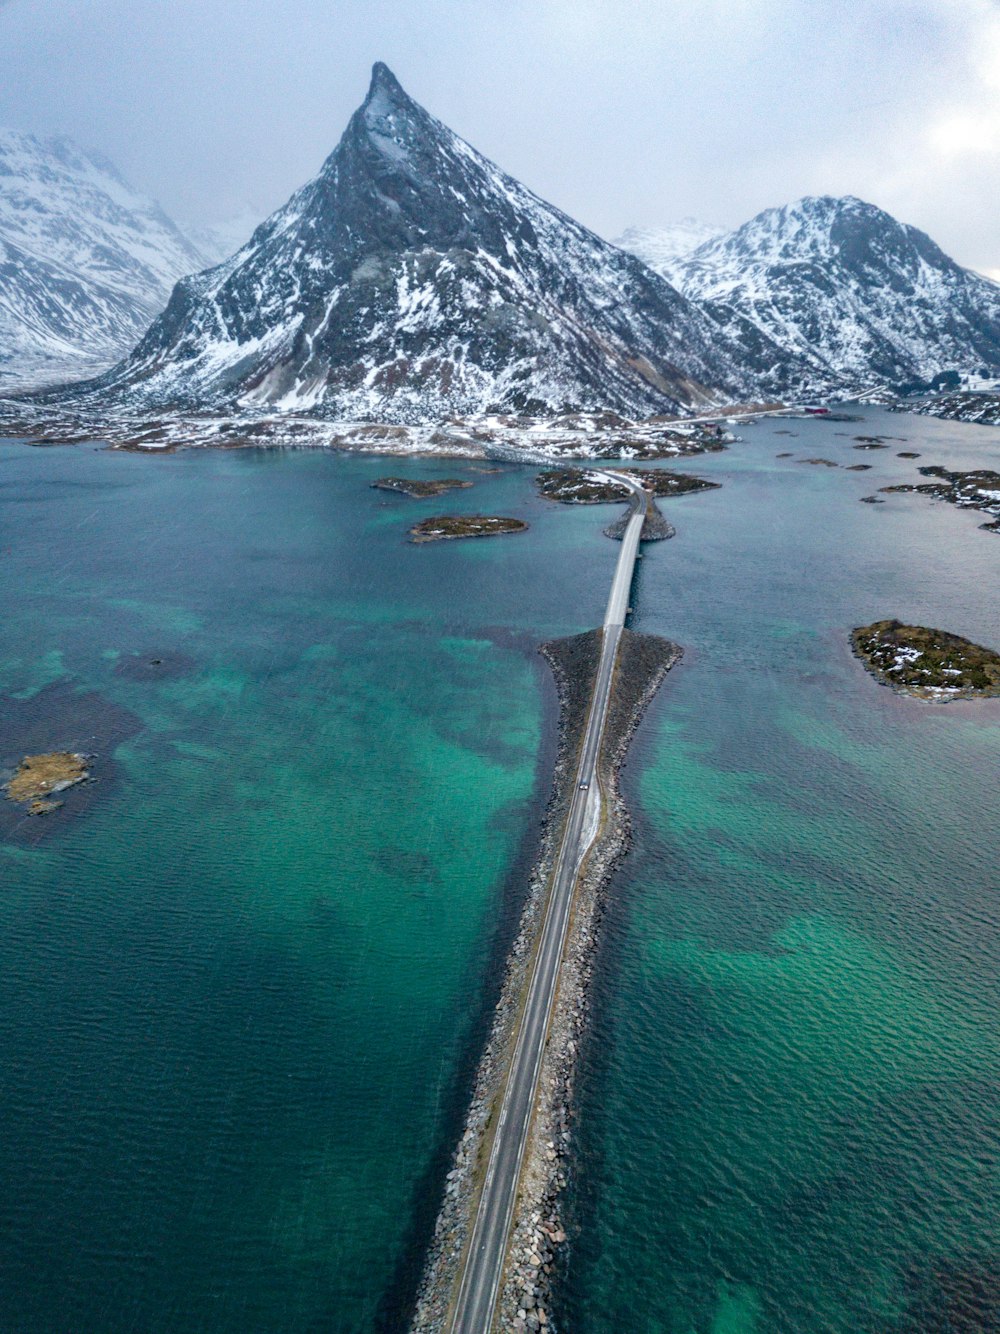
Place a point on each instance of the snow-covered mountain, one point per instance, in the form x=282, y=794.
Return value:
x=413, y=279
x=661, y=247
x=840, y=284
x=218, y=241
x=85, y=262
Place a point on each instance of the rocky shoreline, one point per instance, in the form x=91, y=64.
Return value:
x=981, y=407
x=505, y=437
x=978, y=490
x=537, y=1232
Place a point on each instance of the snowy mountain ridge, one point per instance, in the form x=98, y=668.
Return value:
x=413, y=279
x=85, y=261
x=863, y=299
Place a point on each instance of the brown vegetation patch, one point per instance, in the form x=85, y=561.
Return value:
x=932, y=664
x=41, y=775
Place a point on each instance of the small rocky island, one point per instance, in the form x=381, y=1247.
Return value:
x=582, y=486
x=448, y=527
x=931, y=664
x=977, y=490
x=40, y=777
x=420, y=490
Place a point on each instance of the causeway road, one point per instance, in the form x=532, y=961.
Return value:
x=483, y=1264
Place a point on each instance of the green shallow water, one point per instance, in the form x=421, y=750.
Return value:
x=789, y=1116
x=243, y=988
x=245, y=975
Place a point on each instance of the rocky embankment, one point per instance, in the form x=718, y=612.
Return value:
x=655, y=527
x=581, y=486
x=538, y=1235
x=930, y=664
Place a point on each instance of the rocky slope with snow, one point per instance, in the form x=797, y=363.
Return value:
x=85, y=262
x=412, y=279
x=981, y=408
x=860, y=299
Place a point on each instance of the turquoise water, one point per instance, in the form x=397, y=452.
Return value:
x=246, y=973
x=243, y=986
x=789, y=1118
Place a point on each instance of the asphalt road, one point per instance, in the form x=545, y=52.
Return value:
x=484, y=1259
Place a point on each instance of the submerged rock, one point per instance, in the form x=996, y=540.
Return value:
x=155, y=665
x=58, y=720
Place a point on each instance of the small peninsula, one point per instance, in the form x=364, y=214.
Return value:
x=978, y=490
x=448, y=527
x=420, y=490
x=931, y=664
x=581, y=486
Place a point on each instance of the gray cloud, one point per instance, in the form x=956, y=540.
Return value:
x=715, y=108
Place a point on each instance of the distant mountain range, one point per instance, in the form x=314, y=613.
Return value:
x=861, y=299
x=661, y=247
x=413, y=280
x=85, y=262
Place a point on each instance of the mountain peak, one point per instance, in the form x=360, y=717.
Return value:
x=384, y=86
x=389, y=118
x=411, y=279
x=868, y=299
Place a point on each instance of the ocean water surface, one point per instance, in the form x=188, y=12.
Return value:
x=789, y=1115
x=245, y=974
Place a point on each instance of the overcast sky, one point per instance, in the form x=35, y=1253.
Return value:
x=620, y=114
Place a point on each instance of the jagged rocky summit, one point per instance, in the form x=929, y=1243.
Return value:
x=858, y=298
x=85, y=262
x=412, y=279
